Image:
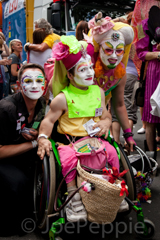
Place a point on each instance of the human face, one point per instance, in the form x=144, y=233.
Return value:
x=84, y=72
x=32, y=83
x=17, y=46
x=112, y=49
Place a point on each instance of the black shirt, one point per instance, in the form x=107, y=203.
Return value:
x=14, y=114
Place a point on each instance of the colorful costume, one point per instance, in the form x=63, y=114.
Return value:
x=152, y=75
x=104, y=32
x=78, y=113
x=72, y=123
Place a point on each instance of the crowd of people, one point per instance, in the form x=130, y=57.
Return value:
x=90, y=76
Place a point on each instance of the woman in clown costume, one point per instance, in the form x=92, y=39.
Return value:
x=112, y=42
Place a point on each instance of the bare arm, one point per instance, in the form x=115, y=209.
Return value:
x=57, y=107
x=6, y=52
x=151, y=56
x=14, y=71
x=118, y=104
x=14, y=150
x=105, y=120
x=120, y=109
x=38, y=47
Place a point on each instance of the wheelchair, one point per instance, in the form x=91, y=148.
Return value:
x=47, y=180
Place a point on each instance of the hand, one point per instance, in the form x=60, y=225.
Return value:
x=104, y=125
x=26, y=46
x=158, y=46
x=6, y=62
x=32, y=135
x=44, y=146
x=130, y=142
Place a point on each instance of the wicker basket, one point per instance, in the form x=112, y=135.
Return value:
x=102, y=204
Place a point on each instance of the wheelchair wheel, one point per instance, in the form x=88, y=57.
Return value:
x=44, y=189
x=129, y=176
x=148, y=233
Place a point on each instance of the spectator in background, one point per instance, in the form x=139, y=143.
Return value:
x=15, y=48
x=38, y=57
x=3, y=62
x=149, y=52
x=82, y=27
x=4, y=53
x=50, y=39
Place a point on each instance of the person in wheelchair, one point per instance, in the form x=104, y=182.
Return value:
x=76, y=102
x=20, y=116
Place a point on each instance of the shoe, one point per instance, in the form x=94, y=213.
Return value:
x=124, y=206
x=141, y=130
x=75, y=210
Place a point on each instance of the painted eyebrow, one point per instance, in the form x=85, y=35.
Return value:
x=26, y=76
x=40, y=76
x=120, y=45
x=81, y=65
x=108, y=44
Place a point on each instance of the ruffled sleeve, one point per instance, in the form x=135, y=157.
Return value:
x=142, y=46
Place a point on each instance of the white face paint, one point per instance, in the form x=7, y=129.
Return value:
x=32, y=83
x=112, y=49
x=84, y=72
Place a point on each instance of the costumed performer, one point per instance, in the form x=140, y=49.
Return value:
x=112, y=42
x=76, y=102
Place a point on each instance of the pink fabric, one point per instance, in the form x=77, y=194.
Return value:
x=49, y=68
x=101, y=28
x=69, y=160
x=71, y=60
x=127, y=130
x=152, y=74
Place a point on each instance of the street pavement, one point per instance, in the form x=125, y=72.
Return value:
x=122, y=228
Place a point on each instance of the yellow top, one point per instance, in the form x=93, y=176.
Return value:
x=73, y=126
x=51, y=39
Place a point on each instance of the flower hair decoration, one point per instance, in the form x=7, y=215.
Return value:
x=100, y=25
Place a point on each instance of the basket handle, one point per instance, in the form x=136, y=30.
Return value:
x=60, y=185
x=57, y=193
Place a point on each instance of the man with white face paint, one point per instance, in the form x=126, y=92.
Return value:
x=20, y=116
x=112, y=43
x=76, y=102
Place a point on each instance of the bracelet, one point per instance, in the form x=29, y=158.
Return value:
x=34, y=143
x=158, y=58
x=42, y=135
x=128, y=134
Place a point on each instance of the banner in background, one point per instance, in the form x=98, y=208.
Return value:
x=14, y=22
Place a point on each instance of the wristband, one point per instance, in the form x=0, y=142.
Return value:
x=4, y=42
x=158, y=58
x=34, y=143
x=127, y=133
x=42, y=136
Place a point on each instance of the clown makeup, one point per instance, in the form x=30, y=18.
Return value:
x=112, y=49
x=84, y=72
x=33, y=83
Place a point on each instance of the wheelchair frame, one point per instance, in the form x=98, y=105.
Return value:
x=47, y=180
